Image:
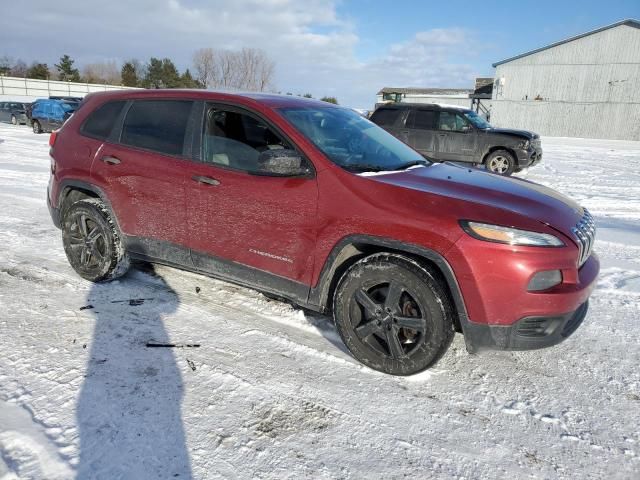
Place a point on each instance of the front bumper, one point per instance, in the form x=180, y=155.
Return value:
x=528, y=333
x=528, y=157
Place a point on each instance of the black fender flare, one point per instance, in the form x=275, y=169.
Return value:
x=71, y=184
x=351, y=246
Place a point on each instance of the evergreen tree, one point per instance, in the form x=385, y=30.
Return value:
x=38, y=71
x=129, y=75
x=187, y=80
x=330, y=100
x=66, y=71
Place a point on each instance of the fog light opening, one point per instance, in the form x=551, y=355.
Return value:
x=544, y=280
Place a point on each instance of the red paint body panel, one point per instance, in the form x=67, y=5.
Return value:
x=298, y=221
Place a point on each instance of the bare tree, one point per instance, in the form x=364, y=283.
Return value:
x=203, y=64
x=246, y=69
x=102, y=72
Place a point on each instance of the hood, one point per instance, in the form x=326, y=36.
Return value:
x=513, y=132
x=516, y=195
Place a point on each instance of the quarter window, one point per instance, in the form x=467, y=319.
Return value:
x=385, y=116
x=235, y=140
x=101, y=121
x=158, y=125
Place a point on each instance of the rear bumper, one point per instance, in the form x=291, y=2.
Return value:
x=528, y=333
x=54, y=212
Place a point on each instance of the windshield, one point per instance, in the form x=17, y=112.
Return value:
x=351, y=141
x=477, y=120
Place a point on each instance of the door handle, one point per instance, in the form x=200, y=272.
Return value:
x=110, y=160
x=207, y=180
x=405, y=132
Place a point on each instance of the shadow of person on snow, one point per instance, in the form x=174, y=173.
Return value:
x=129, y=409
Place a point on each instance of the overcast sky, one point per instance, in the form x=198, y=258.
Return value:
x=347, y=49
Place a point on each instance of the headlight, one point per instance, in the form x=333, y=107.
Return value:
x=524, y=144
x=511, y=236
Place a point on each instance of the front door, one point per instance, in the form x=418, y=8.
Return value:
x=144, y=176
x=240, y=219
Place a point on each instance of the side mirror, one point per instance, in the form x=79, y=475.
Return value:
x=466, y=128
x=282, y=163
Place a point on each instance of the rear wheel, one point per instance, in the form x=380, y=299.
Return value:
x=393, y=315
x=501, y=162
x=37, y=128
x=92, y=242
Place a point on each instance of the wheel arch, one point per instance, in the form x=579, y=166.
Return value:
x=355, y=247
x=495, y=149
x=73, y=190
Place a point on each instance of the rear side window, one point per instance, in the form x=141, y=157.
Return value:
x=422, y=119
x=385, y=116
x=101, y=121
x=158, y=125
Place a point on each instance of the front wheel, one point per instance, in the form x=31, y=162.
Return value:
x=501, y=162
x=393, y=315
x=37, y=128
x=92, y=242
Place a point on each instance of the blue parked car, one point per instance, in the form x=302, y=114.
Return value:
x=47, y=115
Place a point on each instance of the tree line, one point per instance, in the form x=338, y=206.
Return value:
x=245, y=69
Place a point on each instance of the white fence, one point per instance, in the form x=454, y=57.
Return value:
x=15, y=88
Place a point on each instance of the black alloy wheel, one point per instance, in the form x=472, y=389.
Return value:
x=393, y=314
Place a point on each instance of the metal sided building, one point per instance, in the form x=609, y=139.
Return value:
x=585, y=86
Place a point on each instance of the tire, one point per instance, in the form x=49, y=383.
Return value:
x=401, y=334
x=37, y=128
x=95, y=252
x=500, y=162
x=14, y=120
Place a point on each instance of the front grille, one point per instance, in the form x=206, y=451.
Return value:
x=585, y=232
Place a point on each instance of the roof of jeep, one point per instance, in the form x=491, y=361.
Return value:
x=269, y=99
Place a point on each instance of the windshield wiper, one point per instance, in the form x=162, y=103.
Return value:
x=364, y=167
x=412, y=164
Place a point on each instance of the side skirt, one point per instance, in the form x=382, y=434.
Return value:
x=177, y=256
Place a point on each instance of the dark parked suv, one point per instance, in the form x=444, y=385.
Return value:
x=311, y=202
x=458, y=134
x=13, y=112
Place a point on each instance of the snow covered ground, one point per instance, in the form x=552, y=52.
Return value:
x=271, y=392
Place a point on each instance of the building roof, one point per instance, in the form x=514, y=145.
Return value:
x=629, y=22
x=425, y=91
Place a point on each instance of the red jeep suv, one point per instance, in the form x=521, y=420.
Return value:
x=312, y=203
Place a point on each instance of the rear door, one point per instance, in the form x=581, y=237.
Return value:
x=421, y=131
x=456, y=138
x=142, y=168
x=3, y=112
x=264, y=222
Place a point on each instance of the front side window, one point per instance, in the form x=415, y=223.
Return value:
x=351, y=141
x=158, y=125
x=452, y=121
x=235, y=140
